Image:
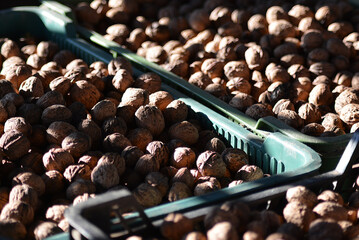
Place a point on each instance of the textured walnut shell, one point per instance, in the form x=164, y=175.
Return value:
x=175, y=111
x=148, y=81
x=84, y=92
x=14, y=144
x=206, y=185
x=325, y=229
x=24, y=193
x=82, y=186
x=115, y=142
x=249, y=173
x=184, y=175
x=210, y=163
x=200, y=79
x=331, y=196
x=56, y=212
x=57, y=131
x=79, y=171
x=131, y=154
x=12, y=229
x=302, y=195
x=160, y=99
x=135, y=97
x=234, y=158
x=31, y=179
x=298, y=214
x=147, y=163
x=150, y=117
x=102, y=110
x=346, y=97
x=350, y=114
x=20, y=211
x=256, y=57
x=159, y=150
x=310, y=113
x=175, y=226
x=54, y=182
x=184, y=131
x=57, y=159
x=158, y=180
x=140, y=137
x=147, y=195
x=105, y=175
x=77, y=143
x=257, y=111
x=18, y=124
x=320, y=95
x=178, y=191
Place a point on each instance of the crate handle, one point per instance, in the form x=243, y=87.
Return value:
x=92, y=218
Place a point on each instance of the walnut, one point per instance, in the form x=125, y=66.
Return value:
x=147, y=195
x=178, y=191
x=206, y=185
x=160, y=99
x=56, y=212
x=12, y=229
x=156, y=54
x=184, y=131
x=258, y=24
x=242, y=101
x=175, y=111
x=184, y=175
x=147, y=163
x=80, y=187
x=115, y=142
x=14, y=144
x=175, y=226
x=309, y=112
x=18, y=73
x=84, y=92
x=234, y=158
x=159, y=150
x=324, y=229
x=102, y=110
x=349, y=114
x=298, y=12
x=282, y=29
x=330, y=196
x=31, y=179
x=18, y=124
x=57, y=159
x=199, y=79
x=257, y=111
x=33, y=161
x=215, y=144
x=105, y=175
x=249, y=173
x=10, y=48
x=194, y=235
x=298, y=214
x=57, y=131
x=302, y=195
x=77, y=143
x=56, y=112
x=256, y=57
x=119, y=63
x=199, y=20
x=277, y=73
x=322, y=68
x=60, y=84
x=17, y=210
x=320, y=95
x=114, y=125
x=140, y=137
x=313, y=129
x=31, y=87
x=346, y=97
x=54, y=182
x=283, y=104
x=50, y=98
x=148, y=81
x=150, y=117
x=276, y=13
x=46, y=229
x=157, y=32
x=210, y=163
x=212, y=67
x=234, y=69
x=24, y=193
x=158, y=180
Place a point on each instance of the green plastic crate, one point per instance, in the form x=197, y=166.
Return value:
x=329, y=148
x=284, y=158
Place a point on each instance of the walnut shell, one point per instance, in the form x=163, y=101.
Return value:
x=17, y=210
x=12, y=229
x=184, y=131
x=150, y=117
x=210, y=163
x=77, y=143
x=148, y=81
x=234, y=158
x=175, y=226
x=160, y=99
x=115, y=142
x=84, y=92
x=256, y=57
x=105, y=175
x=158, y=180
x=147, y=163
x=178, y=191
x=54, y=182
x=302, y=195
x=147, y=195
x=298, y=214
x=320, y=95
x=46, y=229
x=14, y=144
x=349, y=114
x=24, y=193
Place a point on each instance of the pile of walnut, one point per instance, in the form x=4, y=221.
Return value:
x=279, y=58
x=69, y=131
x=306, y=216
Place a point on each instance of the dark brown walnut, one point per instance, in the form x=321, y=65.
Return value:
x=175, y=111
x=148, y=81
x=56, y=113
x=249, y=173
x=150, y=117
x=4, y=196
x=54, y=182
x=322, y=68
x=31, y=179
x=18, y=73
x=140, y=137
x=131, y=154
x=302, y=195
x=346, y=97
x=147, y=163
x=256, y=57
x=78, y=171
x=33, y=160
x=17, y=99
x=147, y=195
x=18, y=124
x=213, y=67
x=12, y=229
x=313, y=129
x=206, y=185
x=236, y=69
x=160, y=99
x=234, y=158
x=320, y=95
x=157, y=32
x=291, y=118
x=20, y=211
x=325, y=229
x=159, y=181
x=330, y=196
x=105, y=175
x=90, y=128
x=239, y=85
x=178, y=67
x=159, y=150
x=178, y=191
x=14, y=144
x=102, y=110
x=115, y=159
x=119, y=63
x=114, y=125
x=135, y=97
x=257, y=111
x=50, y=98
x=90, y=158
x=156, y=54
x=47, y=76
x=242, y=101
x=200, y=80
x=57, y=131
x=215, y=144
x=84, y=92
x=57, y=159
x=82, y=186
x=199, y=20
x=115, y=142
x=210, y=163
x=309, y=113
x=35, y=61
x=184, y=131
x=47, y=49
x=77, y=143
x=24, y=193
x=349, y=114
x=332, y=120
x=184, y=175
x=9, y=106
x=5, y=87
x=283, y=104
